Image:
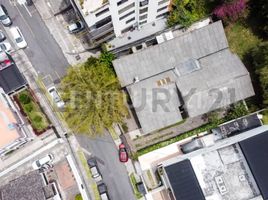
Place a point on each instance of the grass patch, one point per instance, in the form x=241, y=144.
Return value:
x=200, y=129
x=241, y=39
x=83, y=160
x=33, y=111
x=133, y=181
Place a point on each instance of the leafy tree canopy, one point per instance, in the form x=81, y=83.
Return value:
x=93, y=98
x=259, y=56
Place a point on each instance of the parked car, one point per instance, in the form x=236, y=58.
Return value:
x=56, y=97
x=29, y=2
x=2, y=36
x=4, y=18
x=43, y=161
x=5, y=60
x=102, y=188
x=92, y=163
x=123, y=155
x=18, y=37
x=76, y=27
x=5, y=46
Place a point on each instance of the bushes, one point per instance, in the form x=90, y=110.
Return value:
x=33, y=112
x=230, y=11
x=185, y=12
x=24, y=98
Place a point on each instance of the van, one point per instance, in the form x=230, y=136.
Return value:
x=18, y=37
x=4, y=18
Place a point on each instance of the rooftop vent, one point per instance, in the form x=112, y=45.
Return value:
x=136, y=79
x=163, y=81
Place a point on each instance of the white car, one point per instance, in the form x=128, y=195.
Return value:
x=56, y=97
x=45, y=160
x=76, y=27
x=5, y=46
x=18, y=37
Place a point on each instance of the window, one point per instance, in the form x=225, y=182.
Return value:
x=109, y=34
x=130, y=20
x=162, y=15
x=143, y=10
x=163, y=8
x=126, y=8
x=121, y=2
x=126, y=15
x=143, y=17
x=103, y=22
x=144, y=3
x=162, y=2
x=127, y=29
x=141, y=23
x=102, y=12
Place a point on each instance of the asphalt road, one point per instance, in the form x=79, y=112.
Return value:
x=113, y=172
x=43, y=51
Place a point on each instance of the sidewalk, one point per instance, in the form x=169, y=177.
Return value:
x=30, y=74
x=72, y=47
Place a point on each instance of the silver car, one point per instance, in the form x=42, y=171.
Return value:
x=4, y=18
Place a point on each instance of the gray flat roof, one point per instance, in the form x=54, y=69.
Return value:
x=203, y=75
x=165, y=56
x=26, y=187
x=156, y=106
x=221, y=80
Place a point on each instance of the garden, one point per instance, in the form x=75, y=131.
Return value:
x=32, y=111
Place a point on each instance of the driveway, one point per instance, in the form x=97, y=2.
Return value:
x=43, y=51
x=114, y=173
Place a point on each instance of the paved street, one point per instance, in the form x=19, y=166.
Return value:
x=48, y=60
x=114, y=173
x=43, y=51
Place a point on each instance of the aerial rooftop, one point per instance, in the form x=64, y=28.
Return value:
x=194, y=73
x=234, y=168
x=8, y=123
x=29, y=186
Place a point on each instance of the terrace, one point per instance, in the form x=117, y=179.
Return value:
x=12, y=134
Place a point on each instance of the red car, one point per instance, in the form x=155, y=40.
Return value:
x=123, y=156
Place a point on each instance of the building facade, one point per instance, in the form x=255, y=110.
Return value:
x=106, y=19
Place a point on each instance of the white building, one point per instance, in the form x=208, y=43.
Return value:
x=12, y=134
x=108, y=18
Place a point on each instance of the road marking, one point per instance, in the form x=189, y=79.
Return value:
x=86, y=151
x=25, y=22
x=27, y=10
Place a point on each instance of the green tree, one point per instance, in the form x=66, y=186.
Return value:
x=259, y=12
x=237, y=110
x=93, y=98
x=107, y=58
x=185, y=12
x=259, y=56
